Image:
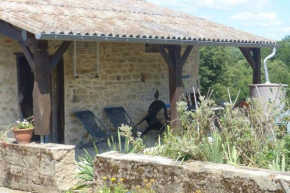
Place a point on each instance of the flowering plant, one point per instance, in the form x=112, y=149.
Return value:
x=25, y=123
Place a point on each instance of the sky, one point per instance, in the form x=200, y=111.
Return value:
x=266, y=18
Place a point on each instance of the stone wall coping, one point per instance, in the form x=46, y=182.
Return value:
x=46, y=146
x=138, y=157
x=199, y=166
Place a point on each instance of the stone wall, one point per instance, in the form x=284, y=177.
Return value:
x=128, y=77
x=172, y=177
x=9, y=111
x=39, y=168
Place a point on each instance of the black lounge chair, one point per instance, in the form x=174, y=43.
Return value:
x=119, y=116
x=93, y=126
x=152, y=121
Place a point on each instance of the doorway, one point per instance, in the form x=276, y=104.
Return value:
x=25, y=87
x=25, y=79
x=57, y=101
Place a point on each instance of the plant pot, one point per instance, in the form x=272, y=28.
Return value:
x=23, y=136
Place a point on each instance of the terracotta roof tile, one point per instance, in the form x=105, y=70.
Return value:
x=116, y=17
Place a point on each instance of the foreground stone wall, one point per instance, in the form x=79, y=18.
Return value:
x=189, y=177
x=37, y=168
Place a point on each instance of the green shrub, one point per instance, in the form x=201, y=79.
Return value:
x=240, y=136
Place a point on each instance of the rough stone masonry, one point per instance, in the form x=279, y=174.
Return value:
x=47, y=168
x=189, y=177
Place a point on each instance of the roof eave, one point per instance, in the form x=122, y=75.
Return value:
x=71, y=37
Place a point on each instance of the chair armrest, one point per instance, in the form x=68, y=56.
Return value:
x=154, y=121
x=142, y=120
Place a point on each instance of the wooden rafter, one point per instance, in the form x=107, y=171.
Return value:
x=7, y=30
x=249, y=57
x=166, y=57
x=253, y=56
x=185, y=55
x=58, y=54
x=29, y=55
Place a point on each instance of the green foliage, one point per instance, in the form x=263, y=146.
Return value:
x=278, y=164
x=232, y=155
x=246, y=136
x=283, y=52
x=213, y=149
x=131, y=144
x=25, y=123
x=3, y=135
x=214, y=63
x=115, y=188
x=223, y=67
x=85, y=169
x=86, y=162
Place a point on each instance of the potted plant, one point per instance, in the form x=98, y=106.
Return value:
x=23, y=130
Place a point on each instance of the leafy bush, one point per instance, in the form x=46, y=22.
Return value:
x=240, y=136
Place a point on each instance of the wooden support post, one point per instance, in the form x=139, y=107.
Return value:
x=42, y=89
x=42, y=67
x=175, y=64
x=257, y=71
x=253, y=56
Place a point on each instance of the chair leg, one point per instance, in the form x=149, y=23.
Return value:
x=83, y=136
x=145, y=132
x=161, y=131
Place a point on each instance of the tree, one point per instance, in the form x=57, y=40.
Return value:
x=283, y=53
x=223, y=67
x=213, y=69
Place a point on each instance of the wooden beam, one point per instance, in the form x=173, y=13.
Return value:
x=42, y=89
x=165, y=56
x=257, y=71
x=249, y=57
x=29, y=55
x=7, y=30
x=58, y=54
x=175, y=64
x=185, y=55
x=29, y=42
x=253, y=56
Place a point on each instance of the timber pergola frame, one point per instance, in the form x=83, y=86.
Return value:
x=42, y=65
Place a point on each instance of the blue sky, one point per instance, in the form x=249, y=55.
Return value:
x=266, y=18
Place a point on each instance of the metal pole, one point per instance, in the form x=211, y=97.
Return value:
x=41, y=139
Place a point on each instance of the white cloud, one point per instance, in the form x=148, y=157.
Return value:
x=190, y=5
x=248, y=16
x=257, y=19
x=286, y=29
x=263, y=24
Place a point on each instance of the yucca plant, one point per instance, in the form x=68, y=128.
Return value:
x=232, y=155
x=278, y=164
x=85, y=172
x=213, y=149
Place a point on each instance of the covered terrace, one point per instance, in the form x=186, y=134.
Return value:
x=38, y=24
